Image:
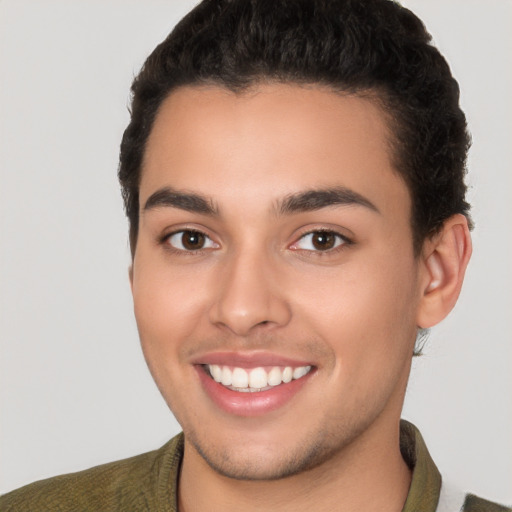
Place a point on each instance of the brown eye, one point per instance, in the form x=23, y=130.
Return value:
x=323, y=240
x=320, y=241
x=192, y=240
x=189, y=240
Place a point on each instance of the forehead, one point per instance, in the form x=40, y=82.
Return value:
x=270, y=141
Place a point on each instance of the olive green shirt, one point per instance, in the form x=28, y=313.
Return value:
x=149, y=482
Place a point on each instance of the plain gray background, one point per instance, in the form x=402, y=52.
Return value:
x=74, y=388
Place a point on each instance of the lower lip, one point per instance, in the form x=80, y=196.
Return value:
x=250, y=404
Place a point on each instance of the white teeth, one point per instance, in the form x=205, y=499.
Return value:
x=275, y=376
x=216, y=372
x=240, y=378
x=256, y=379
x=287, y=375
x=226, y=376
x=300, y=371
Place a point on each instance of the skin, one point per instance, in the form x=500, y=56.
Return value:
x=258, y=284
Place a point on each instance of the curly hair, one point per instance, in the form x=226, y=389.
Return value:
x=369, y=47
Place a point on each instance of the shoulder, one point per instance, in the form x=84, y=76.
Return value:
x=475, y=504
x=129, y=484
x=454, y=499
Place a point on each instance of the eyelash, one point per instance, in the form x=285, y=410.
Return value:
x=341, y=240
x=166, y=241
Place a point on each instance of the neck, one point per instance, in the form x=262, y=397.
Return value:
x=369, y=474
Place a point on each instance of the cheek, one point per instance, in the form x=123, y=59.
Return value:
x=168, y=305
x=384, y=309
x=168, y=308
x=365, y=309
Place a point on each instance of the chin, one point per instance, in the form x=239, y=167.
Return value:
x=259, y=462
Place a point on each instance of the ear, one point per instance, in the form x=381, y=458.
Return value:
x=444, y=260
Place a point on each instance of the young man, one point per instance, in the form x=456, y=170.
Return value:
x=293, y=178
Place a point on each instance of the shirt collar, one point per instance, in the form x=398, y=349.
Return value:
x=426, y=480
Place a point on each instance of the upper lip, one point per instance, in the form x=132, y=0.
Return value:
x=248, y=359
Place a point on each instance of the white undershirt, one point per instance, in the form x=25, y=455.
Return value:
x=451, y=498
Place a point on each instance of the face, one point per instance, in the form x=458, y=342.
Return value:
x=274, y=280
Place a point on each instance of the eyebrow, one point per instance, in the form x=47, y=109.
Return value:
x=188, y=201
x=311, y=200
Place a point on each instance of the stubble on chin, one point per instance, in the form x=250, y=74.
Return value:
x=316, y=450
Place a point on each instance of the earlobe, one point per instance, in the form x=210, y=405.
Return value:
x=445, y=258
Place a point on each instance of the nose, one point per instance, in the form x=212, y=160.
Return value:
x=249, y=295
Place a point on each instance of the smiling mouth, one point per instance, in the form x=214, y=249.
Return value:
x=256, y=379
